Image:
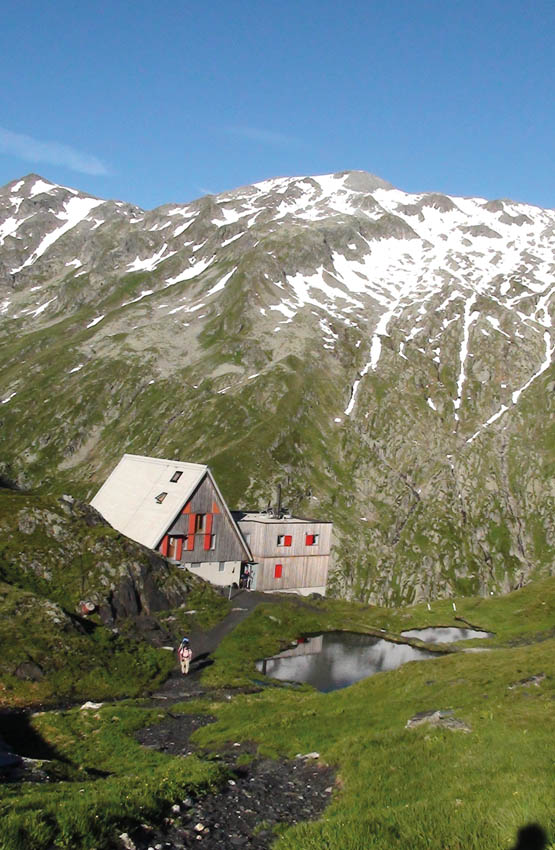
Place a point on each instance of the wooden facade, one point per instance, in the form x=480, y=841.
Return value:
x=205, y=537
x=176, y=507
x=203, y=530
x=290, y=553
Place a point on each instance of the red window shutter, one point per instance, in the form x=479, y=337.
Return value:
x=278, y=570
x=164, y=546
x=207, y=531
x=310, y=540
x=287, y=540
x=191, y=532
x=187, y=508
x=215, y=508
x=179, y=551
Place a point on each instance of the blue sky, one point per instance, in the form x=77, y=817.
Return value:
x=160, y=102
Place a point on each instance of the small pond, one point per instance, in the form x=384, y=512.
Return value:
x=445, y=634
x=337, y=659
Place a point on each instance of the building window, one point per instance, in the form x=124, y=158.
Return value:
x=221, y=566
x=312, y=539
x=247, y=537
x=160, y=498
x=278, y=570
x=284, y=540
x=176, y=476
x=199, y=522
x=212, y=541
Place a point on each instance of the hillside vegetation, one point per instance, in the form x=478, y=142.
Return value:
x=427, y=788
x=386, y=357
x=57, y=553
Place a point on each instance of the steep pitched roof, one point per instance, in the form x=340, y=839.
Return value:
x=127, y=499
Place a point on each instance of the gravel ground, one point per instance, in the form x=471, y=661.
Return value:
x=257, y=797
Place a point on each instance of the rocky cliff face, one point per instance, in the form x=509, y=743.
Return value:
x=55, y=555
x=72, y=548
x=63, y=550
x=386, y=357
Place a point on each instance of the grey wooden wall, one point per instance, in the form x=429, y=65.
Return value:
x=264, y=534
x=228, y=547
x=310, y=571
x=303, y=566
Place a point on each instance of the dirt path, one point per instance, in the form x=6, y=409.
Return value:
x=244, y=602
x=259, y=795
x=203, y=645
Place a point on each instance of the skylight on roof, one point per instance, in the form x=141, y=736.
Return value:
x=160, y=498
x=176, y=476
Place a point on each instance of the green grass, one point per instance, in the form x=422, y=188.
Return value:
x=426, y=788
x=523, y=616
x=423, y=788
x=209, y=608
x=75, y=664
x=87, y=809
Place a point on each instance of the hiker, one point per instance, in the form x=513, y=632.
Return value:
x=185, y=654
x=246, y=578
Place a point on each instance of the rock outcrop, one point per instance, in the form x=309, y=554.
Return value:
x=81, y=606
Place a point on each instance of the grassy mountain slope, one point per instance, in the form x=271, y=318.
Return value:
x=238, y=329
x=428, y=787
x=55, y=553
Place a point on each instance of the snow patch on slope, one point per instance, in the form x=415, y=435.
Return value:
x=548, y=359
x=40, y=187
x=191, y=272
x=75, y=210
x=95, y=321
x=150, y=263
x=469, y=318
x=221, y=283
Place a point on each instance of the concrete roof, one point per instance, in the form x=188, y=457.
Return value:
x=269, y=519
x=127, y=499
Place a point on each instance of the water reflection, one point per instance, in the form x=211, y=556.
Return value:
x=445, y=634
x=337, y=659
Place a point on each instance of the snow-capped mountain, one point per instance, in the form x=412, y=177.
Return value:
x=386, y=356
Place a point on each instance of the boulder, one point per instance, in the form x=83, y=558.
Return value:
x=438, y=717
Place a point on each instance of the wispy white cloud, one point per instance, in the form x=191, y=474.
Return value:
x=267, y=137
x=55, y=153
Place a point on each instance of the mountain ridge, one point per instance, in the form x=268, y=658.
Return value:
x=369, y=348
